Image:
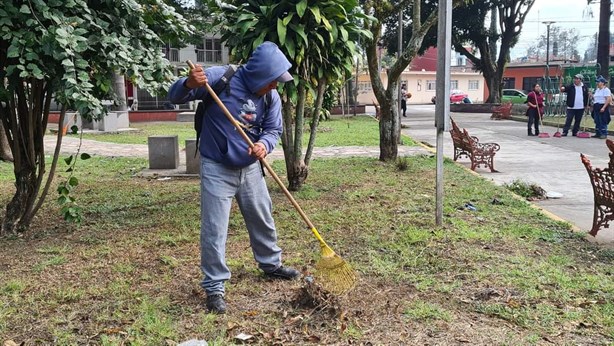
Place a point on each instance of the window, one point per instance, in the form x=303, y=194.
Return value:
x=474, y=84
x=509, y=82
x=528, y=82
x=454, y=84
x=364, y=87
x=430, y=85
x=170, y=53
x=210, y=51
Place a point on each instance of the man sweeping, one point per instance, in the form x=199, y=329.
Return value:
x=231, y=169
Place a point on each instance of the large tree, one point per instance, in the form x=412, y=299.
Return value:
x=603, y=42
x=317, y=37
x=420, y=16
x=68, y=50
x=469, y=28
x=563, y=44
x=5, y=149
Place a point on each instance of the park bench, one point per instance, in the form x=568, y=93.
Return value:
x=503, y=111
x=456, y=133
x=465, y=145
x=602, y=181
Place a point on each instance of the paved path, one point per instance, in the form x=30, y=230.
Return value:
x=92, y=147
x=552, y=163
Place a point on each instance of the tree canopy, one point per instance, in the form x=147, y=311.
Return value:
x=68, y=50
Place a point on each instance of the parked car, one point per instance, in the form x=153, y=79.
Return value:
x=456, y=96
x=514, y=96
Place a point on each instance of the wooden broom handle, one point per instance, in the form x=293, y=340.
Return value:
x=264, y=162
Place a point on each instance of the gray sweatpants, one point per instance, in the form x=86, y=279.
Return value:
x=219, y=185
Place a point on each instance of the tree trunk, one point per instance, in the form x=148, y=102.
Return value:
x=16, y=218
x=26, y=123
x=5, y=148
x=493, y=82
x=315, y=119
x=295, y=166
x=389, y=131
x=603, y=48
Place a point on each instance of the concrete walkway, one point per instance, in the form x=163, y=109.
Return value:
x=552, y=163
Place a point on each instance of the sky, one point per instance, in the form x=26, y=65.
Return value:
x=567, y=14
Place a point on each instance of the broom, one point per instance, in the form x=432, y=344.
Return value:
x=584, y=134
x=541, y=134
x=557, y=134
x=335, y=274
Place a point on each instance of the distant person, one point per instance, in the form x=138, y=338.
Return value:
x=404, y=97
x=601, y=108
x=535, y=101
x=577, y=104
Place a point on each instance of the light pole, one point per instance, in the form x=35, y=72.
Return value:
x=548, y=23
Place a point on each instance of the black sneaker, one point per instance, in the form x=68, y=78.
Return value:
x=284, y=273
x=575, y=134
x=595, y=136
x=564, y=134
x=216, y=304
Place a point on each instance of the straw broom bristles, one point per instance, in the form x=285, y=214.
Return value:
x=334, y=274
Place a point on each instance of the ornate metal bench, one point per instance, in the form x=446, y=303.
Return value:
x=480, y=154
x=504, y=111
x=456, y=133
x=603, y=187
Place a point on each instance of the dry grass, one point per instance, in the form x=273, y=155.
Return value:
x=502, y=275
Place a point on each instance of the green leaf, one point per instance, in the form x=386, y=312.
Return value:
x=326, y=24
x=301, y=7
x=68, y=160
x=299, y=29
x=73, y=181
x=316, y=14
x=85, y=156
x=281, y=32
x=13, y=51
x=24, y=9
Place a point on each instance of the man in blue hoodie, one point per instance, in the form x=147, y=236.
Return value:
x=230, y=168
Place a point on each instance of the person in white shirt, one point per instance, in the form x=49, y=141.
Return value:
x=601, y=108
x=577, y=103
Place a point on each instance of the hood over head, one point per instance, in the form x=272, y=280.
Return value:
x=266, y=64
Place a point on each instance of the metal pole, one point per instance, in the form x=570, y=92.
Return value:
x=442, y=90
x=399, y=50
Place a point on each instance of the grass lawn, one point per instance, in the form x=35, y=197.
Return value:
x=361, y=130
x=502, y=275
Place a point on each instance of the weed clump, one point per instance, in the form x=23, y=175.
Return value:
x=526, y=190
x=313, y=296
x=402, y=163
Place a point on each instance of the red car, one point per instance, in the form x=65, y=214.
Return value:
x=456, y=96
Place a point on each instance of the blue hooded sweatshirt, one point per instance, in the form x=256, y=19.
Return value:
x=219, y=140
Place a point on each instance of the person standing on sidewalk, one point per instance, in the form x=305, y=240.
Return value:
x=577, y=104
x=404, y=96
x=601, y=108
x=231, y=169
x=535, y=101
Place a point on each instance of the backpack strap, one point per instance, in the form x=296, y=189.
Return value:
x=218, y=87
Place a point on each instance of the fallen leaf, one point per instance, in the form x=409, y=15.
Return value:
x=231, y=325
x=513, y=304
